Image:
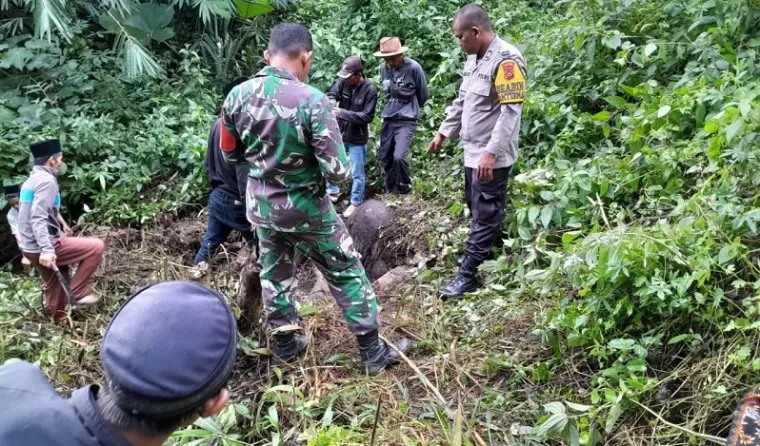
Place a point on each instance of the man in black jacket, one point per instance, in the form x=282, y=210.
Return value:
x=226, y=204
x=356, y=99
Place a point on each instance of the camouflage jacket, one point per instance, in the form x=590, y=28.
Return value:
x=286, y=131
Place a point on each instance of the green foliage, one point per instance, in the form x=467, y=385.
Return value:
x=634, y=198
x=132, y=148
x=134, y=25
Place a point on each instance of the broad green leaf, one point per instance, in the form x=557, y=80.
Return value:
x=16, y=58
x=734, y=128
x=603, y=115
x=533, y=214
x=663, y=111
x=612, y=417
x=208, y=424
x=568, y=237
x=725, y=254
x=637, y=365
x=555, y=407
x=253, y=8
x=650, y=49
x=274, y=417
x=616, y=101
x=622, y=344
x=573, y=435
x=604, y=187
x=594, y=437
x=711, y=127
x=6, y=114
x=680, y=338
x=536, y=274
x=613, y=42
x=556, y=423
x=546, y=216
x=591, y=257
x=525, y=233
x=578, y=407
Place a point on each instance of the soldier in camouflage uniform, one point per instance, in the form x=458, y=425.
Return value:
x=287, y=132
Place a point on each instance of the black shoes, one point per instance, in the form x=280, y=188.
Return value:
x=466, y=281
x=376, y=354
x=290, y=345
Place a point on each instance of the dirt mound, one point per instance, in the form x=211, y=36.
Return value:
x=387, y=235
x=162, y=251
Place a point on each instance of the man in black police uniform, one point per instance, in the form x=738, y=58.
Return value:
x=167, y=354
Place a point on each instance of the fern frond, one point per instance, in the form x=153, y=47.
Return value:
x=49, y=14
x=210, y=9
x=123, y=6
x=137, y=60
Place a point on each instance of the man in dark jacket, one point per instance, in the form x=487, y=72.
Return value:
x=356, y=99
x=151, y=387
x=226, y=204
x=405, y=86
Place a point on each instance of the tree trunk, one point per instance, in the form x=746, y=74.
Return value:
x=249, y=297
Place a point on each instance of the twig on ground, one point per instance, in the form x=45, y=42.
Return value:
x=377, y=418
x=478, y=438
x=712, y=438
x=422, y=378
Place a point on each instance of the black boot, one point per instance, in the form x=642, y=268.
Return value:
x=376, y=354
x=466, y=281
x=289, y=345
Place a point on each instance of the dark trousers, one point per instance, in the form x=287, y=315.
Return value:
x=487, y=203
x=224, y=214
x=395, y=140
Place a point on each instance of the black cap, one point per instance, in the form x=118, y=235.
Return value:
x=351, y=66
x=169, y=349
x=46, y=148
x=228, y=88
x=11, y=191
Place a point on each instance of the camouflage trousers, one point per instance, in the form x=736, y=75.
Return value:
x=331, y=249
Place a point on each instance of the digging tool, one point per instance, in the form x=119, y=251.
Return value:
x=65, y=285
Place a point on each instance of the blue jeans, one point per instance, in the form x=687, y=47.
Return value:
x=224, y=214
x=357, y=156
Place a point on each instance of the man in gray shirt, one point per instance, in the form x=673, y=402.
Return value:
x=405, y=86
x=486, y=116
x=43, y=239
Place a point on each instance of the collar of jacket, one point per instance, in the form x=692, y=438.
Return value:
x=273, y=71
x=49, y=170
x=85, y=404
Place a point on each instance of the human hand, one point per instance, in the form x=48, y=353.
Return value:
x=25, y=262
x=436, y=143
x=337, y=112
x=48, y=260
x=485, y=167
x=67, y=230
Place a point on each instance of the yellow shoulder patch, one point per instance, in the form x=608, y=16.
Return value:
x=510, y=83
